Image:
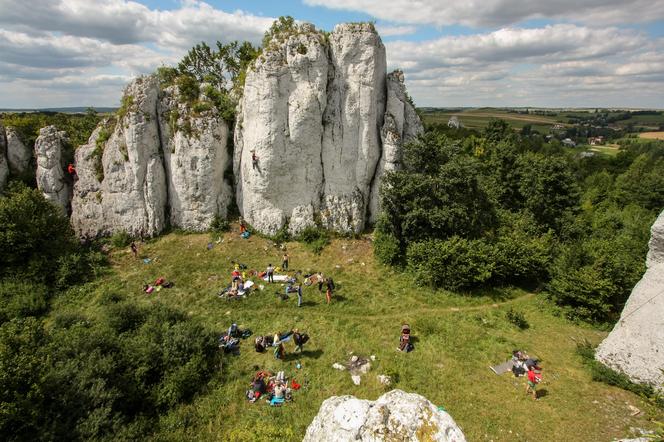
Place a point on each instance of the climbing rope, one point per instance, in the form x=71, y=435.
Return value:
x=639, y=307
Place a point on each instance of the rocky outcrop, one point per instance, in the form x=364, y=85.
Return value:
x=396, y=415
x=159, y=157
x=312, y=112
x=18, y=154
x=635, y=346
x=51, y=176
x=401, y=125
x=4, y=166
x=280, y=121
x=128, y=165
x=195, y=154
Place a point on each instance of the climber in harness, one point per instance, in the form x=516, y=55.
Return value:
x=71, y=170
x=254, y=159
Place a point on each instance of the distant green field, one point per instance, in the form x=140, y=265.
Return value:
x=479, y=118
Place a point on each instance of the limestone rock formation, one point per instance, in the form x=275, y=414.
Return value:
x=312, y=112
x=159, y=158
x=635, y=346
x=195, y=159
x=51, y=176
x=401, y=125
x=4, y=166
x=353, y=119
x=396, y=415
x=280, y=121
x=130, y=168
x=18, y=154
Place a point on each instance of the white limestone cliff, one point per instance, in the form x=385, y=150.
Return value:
x=279, y=121
x=51, y=176
x=312, y=112
x=635, y=346
x=195, y=159
x=4, y=166
x=19, y=155
x=395, y=416
x=133, y=184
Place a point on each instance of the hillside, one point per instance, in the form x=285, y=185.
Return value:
x=458, y=337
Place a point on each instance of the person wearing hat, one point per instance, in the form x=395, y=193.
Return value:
x=404, y=340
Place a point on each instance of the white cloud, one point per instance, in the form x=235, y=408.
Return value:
x=389, y=31
x=479, y=13
x=564, y=65
x=56, y=46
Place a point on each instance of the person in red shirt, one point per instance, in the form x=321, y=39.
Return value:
x=533, y=379
x=71, y=170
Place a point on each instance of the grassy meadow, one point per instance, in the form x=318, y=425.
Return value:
x=479, y=118
x=457, y=337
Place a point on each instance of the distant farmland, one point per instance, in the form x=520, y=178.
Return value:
x=652, y=135
x=479, y=118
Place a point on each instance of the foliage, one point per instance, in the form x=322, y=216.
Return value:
x=90, y=380
x=517, y=318
x=121, y=239
x=284, y=25
x=455, y=263
x=20, y=299
x=315, y=238
x=386, y=245
x=126, y=105
x=220, y=224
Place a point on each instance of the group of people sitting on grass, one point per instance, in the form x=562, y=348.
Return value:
x=262, y=343
x=229, y=342
x=275, y=388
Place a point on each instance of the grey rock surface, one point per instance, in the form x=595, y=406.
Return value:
x=635, y=346
x=396, y=415
x=133, y=186
x=401, y=125
x=312, y=112
x=280, y=122
x=18, y=154
x=195, y=159
x=51, y=176
x=4, y=165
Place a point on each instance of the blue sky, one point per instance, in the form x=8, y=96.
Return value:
x=556, y=53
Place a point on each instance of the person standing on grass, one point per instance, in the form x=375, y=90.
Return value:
x=284, y=261
x=328, y=292
x=299, y=295
x=533, y=380
x=134, y=249
x=270, y=273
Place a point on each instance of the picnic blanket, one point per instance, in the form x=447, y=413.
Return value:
x=502, y=368
x=280, y=278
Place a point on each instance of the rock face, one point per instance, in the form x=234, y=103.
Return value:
x=195, y=159
x=396, y=415
x=401, y=125
x=159, y=159
x=132, y=192
x=18, y=154
x=312, y=112
x=51, y=178
x=635, y=346
x=4, y=166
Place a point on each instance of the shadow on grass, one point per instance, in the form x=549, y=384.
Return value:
x=542, y=393
x=309, y=354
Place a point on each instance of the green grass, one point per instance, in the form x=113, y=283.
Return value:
x=458, y=337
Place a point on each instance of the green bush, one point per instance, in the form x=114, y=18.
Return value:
x=84, y=380
x=189, y=88
x=121, y=239
x=315, y=238
x=517, y=318
x=20, y=299
x=456, y=263
x=386, y=248
x=219, y=225
x=282, y=235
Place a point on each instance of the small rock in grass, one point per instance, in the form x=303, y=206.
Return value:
x=356, y=379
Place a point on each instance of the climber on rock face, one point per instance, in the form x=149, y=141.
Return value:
x=71, y=170
x=254, y=159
